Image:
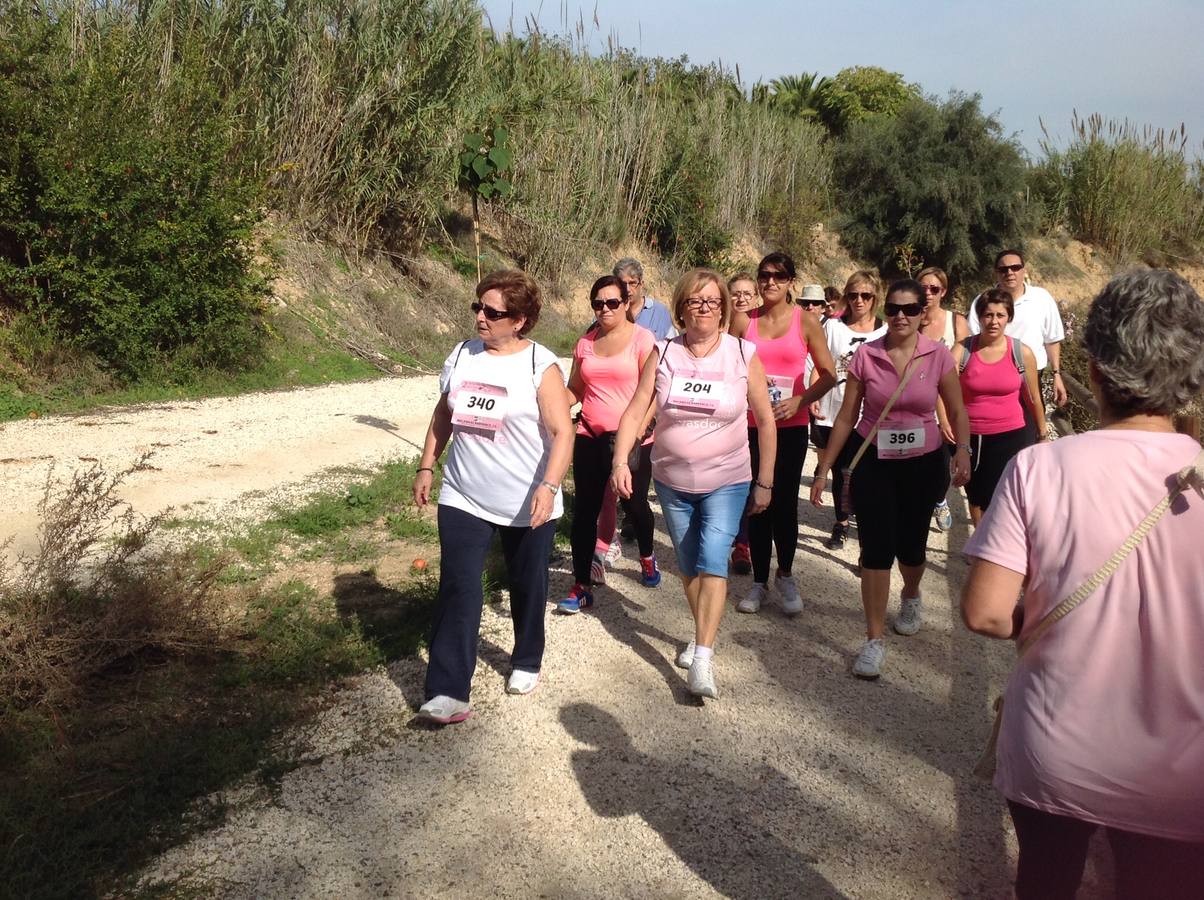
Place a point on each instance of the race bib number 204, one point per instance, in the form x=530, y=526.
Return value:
x=698, y=394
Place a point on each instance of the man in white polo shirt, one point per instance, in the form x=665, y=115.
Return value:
x=1037, y=322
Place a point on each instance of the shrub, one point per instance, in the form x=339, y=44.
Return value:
x=939, y=178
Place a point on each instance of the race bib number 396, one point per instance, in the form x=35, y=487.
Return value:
x=900, y=442
x=699, y=394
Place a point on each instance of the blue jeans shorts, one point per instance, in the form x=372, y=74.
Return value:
x=703, y=526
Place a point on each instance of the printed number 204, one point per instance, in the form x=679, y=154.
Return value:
x=697, y=387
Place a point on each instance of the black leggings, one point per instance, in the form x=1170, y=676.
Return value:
x=778, y=523
x=591, y=471
x=894, y=500
x=820, y=435
x=1053, y=851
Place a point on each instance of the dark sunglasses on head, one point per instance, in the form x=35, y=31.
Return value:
x=932, y=289
x=772, y=276
x=867, y=296
x=908, y=309
x=610, y=303
x=1014, y=267
x=490, y=313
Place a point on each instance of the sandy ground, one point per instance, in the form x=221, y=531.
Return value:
x=610, y=780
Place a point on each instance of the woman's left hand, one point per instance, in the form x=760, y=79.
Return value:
x=786, y=409
x=961, y=467
x=760, y=499
x=541, y=505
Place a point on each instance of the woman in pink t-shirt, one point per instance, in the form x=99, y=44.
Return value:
x=904, y=469
x=1103, y=719
x=702, y=385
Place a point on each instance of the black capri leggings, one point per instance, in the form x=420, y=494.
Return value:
x=989, y=455
x=591, y=471
x=777, y=524
x=894, y=500
x=820, y=435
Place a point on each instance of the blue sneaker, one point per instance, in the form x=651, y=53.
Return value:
x=650, y=575
x=579, y=598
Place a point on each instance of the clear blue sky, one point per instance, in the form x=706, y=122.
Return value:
x=1138, y=60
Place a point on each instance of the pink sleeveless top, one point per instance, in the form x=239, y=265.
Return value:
x=701, y=440
x=610, y=381
x=785, y=361
x=992, y=392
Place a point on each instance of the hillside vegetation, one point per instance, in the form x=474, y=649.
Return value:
x=166, y=161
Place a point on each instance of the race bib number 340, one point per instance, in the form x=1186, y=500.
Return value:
x=699, y=394
x=480, y=409
x=894, y=443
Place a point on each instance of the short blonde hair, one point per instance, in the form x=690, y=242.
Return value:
x=688, y=286
x=870, y=277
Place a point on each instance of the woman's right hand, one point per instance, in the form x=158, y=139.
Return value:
x=422, y=488
x=761, y=497
x=815, y=413
x=620, y=480
x=817, y=488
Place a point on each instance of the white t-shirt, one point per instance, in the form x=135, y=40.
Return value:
x=843, y=342
x=499, y=447
x=1037, y=321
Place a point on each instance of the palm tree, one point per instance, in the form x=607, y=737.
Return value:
x=796, y=94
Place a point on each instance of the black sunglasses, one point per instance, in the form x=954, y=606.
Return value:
x=867, y=296
x=609, y=304
x=932, y=289
x=1014, y=267
x=807, y=304
x=908, y=309
x=490, y=313
x=768, y=276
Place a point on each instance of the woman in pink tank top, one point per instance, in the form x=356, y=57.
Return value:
x=995, y=391
x=702, y=384
x=784, y=338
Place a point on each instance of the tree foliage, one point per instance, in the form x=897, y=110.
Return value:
x=940, y=177
x=855, y=94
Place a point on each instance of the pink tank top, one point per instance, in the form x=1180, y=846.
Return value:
x=701, y=440
x=785, y=361
x=992, y=392
x=610, y=381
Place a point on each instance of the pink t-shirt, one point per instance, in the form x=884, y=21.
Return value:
x=785, y=362
x=610, y=381
x=1104, y=717
x=701, y=429
x=992, y=393
x=916, y=406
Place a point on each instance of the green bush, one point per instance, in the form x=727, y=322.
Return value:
x=939, y=178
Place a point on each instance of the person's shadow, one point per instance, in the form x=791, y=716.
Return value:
x=722, y=830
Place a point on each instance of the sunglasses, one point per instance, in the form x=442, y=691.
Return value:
x=490, y=313
x=697, y=303
x=931, y=289
x=777, y=277
x=808, y=304
x=610, y=303
x=1014, y=267
x=867, y=296
x=908, y=309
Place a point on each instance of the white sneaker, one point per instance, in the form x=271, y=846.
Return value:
x=522, y=682
x=870, y=659
x=907, y=622
x=792, y=603
x=614, y=552
x=686, y=658
x=701, y=679
x=444, y=710
x=752, y=602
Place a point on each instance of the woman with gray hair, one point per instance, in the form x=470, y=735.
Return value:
x=1102, y=723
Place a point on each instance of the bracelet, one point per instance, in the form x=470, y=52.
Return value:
x=765, y=487
x=1055, y=371
x=619, y=465
x=554, y=488
x=424, y=469
x=965, y=447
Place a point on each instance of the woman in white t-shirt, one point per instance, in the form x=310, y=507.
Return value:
x=860, y=324
x=504, y=401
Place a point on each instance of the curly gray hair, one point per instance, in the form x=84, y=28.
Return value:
x=1145, y=334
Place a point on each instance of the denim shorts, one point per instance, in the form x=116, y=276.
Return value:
x=703, y=526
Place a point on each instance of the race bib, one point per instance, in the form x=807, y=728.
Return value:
x=781, y=387
x=898, y=443
x=699, y=394
x=480, y=409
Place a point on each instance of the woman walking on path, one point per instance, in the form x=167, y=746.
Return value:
x=502, y=396
x=945, y=326
x=607, y=362
x=998, y=375
x=1103, y=716
x=702, y=384
x=903, y=467
x=862, y=294
x=784, y=337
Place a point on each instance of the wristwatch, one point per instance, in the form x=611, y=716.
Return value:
x=554, y=488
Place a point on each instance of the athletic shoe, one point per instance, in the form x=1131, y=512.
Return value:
x=839, y=533
x=907, y=622
x=944, y=516
x=792, y=603
x=701, y=680
x=614, y=552
x=650, y=575
x=444, y=710
x=741, y=559
x=870, y=659
x=752, y=602
x=578, y=599
x=685, y=659
x=597, y=569
x=522, y=682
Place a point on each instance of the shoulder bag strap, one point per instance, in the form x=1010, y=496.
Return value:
x=967, y=345
x=869, y=439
